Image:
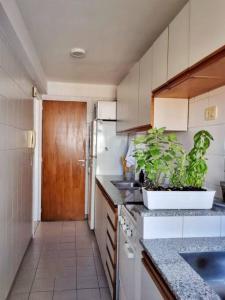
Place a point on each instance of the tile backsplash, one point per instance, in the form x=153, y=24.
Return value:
x=16, y=117
x=216, y=152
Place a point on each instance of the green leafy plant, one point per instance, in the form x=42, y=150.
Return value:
x=196, y=160
x=158, y=153
x=164, y=159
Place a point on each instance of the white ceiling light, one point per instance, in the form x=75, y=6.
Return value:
x=77, y=52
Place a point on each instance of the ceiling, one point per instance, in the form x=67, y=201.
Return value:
x=115, y=34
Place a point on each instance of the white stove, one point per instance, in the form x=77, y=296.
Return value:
x=129, y=256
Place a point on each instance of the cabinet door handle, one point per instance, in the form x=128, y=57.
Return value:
x=129, y=251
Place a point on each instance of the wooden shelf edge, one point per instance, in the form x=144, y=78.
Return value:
x=210, y=64
x=135, y=129
x=109, y=200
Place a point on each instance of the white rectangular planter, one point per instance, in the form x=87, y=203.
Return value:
x=178, y=199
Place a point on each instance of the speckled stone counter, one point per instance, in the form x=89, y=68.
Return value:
x=121, y=197
x=144, y=212
x=118, y=197
x=183, y=281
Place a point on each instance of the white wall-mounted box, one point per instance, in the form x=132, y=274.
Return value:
x=106, y=110
x=171, y=113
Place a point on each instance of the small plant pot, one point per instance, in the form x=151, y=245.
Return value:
x=178, y=199
x=222, y=184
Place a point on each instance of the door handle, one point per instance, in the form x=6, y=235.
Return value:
x=82, y=162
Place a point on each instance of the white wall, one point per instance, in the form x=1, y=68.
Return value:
x=16, y=117
x=15, y=28
x=90, y=93
x=216, y=153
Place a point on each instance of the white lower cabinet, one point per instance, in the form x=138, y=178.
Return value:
x=100, y=222
x=106, y=236
x=149, y=289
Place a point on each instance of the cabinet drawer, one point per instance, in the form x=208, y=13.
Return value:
x=112, y=216
x=110, y=283
x=111, y=232
x=111, y=249
x=110, y=268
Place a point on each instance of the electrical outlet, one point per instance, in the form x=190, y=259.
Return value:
x=211, y=113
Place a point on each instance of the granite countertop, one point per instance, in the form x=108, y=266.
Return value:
x=144, y=212
x=118, y=197
x=121, y=197
x=183, y=281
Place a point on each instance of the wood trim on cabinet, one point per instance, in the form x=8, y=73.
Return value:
x=111, y=223
x=157, y=278
x=107, y=197
x=110, y=239
x=110, y=258
x=202, y=77
x=112, y=282
x=136, y=129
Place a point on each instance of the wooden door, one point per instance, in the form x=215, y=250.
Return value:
x=63, y=175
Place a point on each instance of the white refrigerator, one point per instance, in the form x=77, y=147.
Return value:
x=105, y=151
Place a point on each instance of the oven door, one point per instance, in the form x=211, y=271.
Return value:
x=126, y=268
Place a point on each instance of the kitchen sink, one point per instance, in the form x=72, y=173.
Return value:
x=126, y=185
x=211, y=267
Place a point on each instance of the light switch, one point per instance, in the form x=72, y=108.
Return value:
x=211, y=113
x=31, y=139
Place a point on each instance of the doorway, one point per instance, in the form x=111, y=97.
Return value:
x=63, y=165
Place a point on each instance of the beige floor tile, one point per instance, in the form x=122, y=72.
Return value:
x=43, y=285
x=105, y=294
x=22, y=286
x=67, y=262
x=67, y=272
x=41, y=296
x=83, y=252
x=67, y=253
x=66, y=246
x=85, y=261
x=102, y=281
x=88, y=294
x=87, y=271
x=65, y=283
x=87, y=282
x=65, y=295
x=19, y=297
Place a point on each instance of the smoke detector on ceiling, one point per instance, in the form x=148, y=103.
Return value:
x=77, y=52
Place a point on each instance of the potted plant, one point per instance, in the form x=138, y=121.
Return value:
x=174, y=178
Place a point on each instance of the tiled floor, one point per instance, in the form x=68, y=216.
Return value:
x=62, y=263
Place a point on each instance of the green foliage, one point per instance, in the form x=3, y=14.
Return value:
x=158, y=153
x=197, y=167
x=162, y=157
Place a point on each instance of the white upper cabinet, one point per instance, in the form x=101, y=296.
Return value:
x=121, y=106
x=207, y=34
x=160, y=60
x=178, y=51
x=171, y=113
x=145, y=88
x=132, y=95
x=127, y=100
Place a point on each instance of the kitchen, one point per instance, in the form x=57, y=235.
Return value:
x=116, y=234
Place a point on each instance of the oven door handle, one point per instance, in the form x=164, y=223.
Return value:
x=128, y=250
